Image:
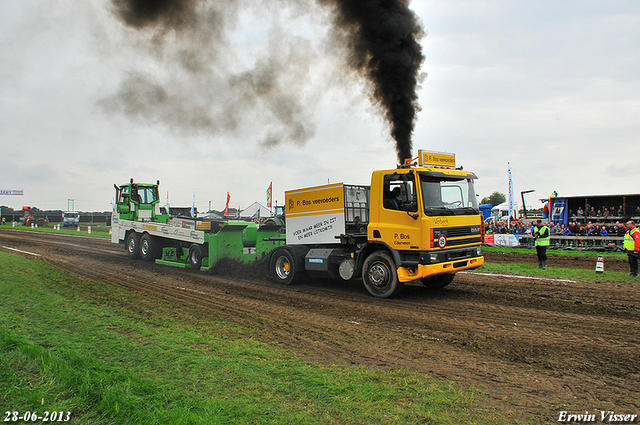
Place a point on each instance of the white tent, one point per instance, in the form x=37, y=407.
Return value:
x=255, y=210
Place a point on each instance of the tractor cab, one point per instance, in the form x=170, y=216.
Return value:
x=139, y=202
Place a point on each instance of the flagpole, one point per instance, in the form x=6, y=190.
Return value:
x=510, y=197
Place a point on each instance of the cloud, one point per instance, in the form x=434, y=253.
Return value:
x=265, y=95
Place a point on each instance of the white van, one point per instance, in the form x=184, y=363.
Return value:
x=501, y=212
x=70, y=218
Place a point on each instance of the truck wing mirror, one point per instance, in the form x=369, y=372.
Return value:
x=413, y=216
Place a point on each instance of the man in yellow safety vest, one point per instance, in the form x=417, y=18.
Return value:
x=543, y=238
x=631, y=244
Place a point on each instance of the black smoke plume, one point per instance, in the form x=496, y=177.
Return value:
x=383, y=37
x=168, y=13
x=198, y=87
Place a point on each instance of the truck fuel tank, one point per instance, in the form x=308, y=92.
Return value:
x=329, y=263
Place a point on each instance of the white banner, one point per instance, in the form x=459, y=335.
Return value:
x=11, y=192
x=322, y=228
x=501, y=239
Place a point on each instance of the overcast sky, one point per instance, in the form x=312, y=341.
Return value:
x=552, y=87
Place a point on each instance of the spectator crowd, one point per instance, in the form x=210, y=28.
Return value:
x=605, y=213
x=574, y=228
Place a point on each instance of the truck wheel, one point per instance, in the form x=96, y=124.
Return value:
x=149, y=247
x=133, y=245
x=380, y=276
x=195, y=256
x=283, y=267
x=437, y=282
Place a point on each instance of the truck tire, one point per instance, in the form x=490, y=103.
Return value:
x=195, y=256
x=380, y=275
x=284, y=268
x=133, y=245
x=438, y=281
x=149, y=248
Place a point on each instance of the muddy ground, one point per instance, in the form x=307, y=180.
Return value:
x=534, y=347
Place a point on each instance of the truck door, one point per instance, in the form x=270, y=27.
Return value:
x=399, y=224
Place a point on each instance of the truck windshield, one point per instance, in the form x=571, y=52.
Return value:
x=448, y=195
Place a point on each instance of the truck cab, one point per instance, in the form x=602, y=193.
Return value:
x=427, y=219
x=70, y=218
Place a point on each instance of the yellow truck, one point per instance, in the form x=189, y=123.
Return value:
x=419, y=221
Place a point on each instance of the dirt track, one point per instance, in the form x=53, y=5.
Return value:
x=534, y=346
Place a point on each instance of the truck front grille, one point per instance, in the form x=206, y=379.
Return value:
x=456, y=236
x=464, y=241
x=455, y=232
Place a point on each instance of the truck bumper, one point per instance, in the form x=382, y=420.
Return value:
x=407, y=274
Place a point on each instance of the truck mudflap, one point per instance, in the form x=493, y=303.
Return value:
x=407, y=274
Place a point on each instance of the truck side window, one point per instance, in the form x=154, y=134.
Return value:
x=399, y=192
x=123, y=195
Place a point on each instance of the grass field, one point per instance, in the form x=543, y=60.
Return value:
x=575, y=274
x=107, y=356
x=100, y=230
x=552, y=252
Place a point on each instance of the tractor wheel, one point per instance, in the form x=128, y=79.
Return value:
x=437, y=282
x=195, y=256
x=133, y=245
x=283, y=267
x=380, y=275
x=149, y=247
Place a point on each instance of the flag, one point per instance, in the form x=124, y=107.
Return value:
x=226, y=208
x=510, y=195
x=269, y=195
x=193, y=205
